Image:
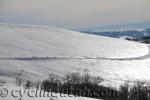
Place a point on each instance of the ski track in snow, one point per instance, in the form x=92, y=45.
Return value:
x=147, y=56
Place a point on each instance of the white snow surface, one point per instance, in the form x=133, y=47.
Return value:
x=28, y=41
x=118, y=60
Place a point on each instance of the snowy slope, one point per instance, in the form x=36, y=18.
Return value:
x=113, y=59
x=28, y=41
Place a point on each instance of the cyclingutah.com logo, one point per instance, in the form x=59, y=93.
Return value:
x=27, y=92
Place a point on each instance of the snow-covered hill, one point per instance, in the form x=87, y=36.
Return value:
x=31, y=48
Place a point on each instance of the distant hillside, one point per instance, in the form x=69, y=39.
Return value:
x=118, y=27
x=140, y=35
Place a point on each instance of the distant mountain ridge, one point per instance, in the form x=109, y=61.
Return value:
x=136, y=32
x=118, y=27
x=137, y=35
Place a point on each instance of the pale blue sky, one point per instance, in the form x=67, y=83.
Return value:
x=74, y=13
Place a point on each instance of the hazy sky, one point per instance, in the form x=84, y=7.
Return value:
x=74, y=13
